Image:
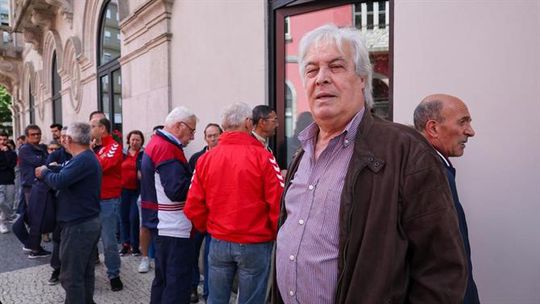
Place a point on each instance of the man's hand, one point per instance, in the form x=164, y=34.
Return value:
x=39, y=171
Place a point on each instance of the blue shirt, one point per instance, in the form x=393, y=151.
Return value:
x=78, y=184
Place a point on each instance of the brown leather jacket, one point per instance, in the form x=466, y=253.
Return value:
x=399, y=234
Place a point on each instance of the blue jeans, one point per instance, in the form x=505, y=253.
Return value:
x=108, y=216
x=252, y=261
x=77, y=252
x=129, y=218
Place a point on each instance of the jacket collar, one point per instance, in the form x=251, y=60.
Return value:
x=170, y=138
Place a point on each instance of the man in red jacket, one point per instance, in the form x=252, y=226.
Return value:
x=110, y=159
x=235, y=195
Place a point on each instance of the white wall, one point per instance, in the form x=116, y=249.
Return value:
x=487, y=53
x=218, y=57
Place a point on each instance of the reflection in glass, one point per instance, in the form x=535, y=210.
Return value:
x=105, y=103
x=56, y=96
x=372, y=19
x=110, y=31
x=117, y=100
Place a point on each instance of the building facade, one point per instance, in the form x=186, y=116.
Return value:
x=137, y=59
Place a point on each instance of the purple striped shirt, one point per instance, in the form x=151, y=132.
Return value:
x=307, y=243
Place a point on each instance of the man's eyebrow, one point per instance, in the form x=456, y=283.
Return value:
x=331, y=61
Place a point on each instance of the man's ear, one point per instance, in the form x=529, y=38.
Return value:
x=432, y=128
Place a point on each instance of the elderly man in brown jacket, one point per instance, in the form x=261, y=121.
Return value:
x=367, y=216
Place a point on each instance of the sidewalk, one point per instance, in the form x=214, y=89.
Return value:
x=29, y=285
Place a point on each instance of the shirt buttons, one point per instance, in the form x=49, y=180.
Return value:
x=301, y=222
x=291, y=257
x=291, y=293
x=310, y=187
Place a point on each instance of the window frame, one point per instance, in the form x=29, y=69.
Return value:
x=107, y=69
x=277, y=12
x=56, y=96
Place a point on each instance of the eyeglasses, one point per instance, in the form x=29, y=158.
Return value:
x=34, y=134
x=192, y=130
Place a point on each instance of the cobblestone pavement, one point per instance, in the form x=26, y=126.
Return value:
x=22, y=282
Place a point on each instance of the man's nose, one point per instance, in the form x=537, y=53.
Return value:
x=323, y=76
x=469, y=131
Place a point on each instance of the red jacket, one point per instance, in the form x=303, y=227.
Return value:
x=110, y=159
x=235, y=191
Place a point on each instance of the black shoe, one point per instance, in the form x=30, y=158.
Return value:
x=194, y=296
x=54, y=277
x=136, y=252
x=41, y=253
x=116, y=284
x=125, y=250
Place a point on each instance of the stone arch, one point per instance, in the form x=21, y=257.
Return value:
x=72, y=71
x=51, y=44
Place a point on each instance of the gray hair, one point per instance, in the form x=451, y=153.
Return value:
x=179, y=114
x=79, y=133
x=330, y=32
x=425, y=111
x=234, y=115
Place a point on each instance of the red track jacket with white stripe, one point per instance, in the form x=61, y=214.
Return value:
x=110, y=158
x=236, y=190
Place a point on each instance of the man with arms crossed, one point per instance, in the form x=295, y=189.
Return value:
x=367, y=215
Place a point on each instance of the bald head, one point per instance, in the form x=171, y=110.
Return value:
x=445, y=122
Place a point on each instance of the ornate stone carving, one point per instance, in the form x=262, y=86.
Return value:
x=72, y=71
x=42, y=17
x=65, y=8
x=34, y=36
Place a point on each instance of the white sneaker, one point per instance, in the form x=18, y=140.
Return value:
x=3, y=228
x=144, y=266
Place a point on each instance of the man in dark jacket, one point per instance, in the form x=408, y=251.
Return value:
x=31, y=156
x=367, y=216
x=78, y=183
x=445, y=122
x=212, y=132
x=56, y=162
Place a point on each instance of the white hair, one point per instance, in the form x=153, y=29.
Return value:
x=234, y=115
x=79, y=133
x=179, y=114
x=331, y=32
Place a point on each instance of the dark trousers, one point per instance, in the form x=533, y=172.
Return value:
x=33, y=240
x=55, y=258
x=174, y=270
x=198, y=238
x=129, y=218
x=77, y=254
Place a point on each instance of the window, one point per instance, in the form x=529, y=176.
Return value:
x=286, y=87
x=109, y=72
x=31, y=110
x=56, y=95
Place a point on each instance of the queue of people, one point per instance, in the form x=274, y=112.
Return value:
x=368, y=211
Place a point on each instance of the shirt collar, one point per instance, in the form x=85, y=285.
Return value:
x=170, y=136
x=259, y=138
x=446, y=161
x=350, y=130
